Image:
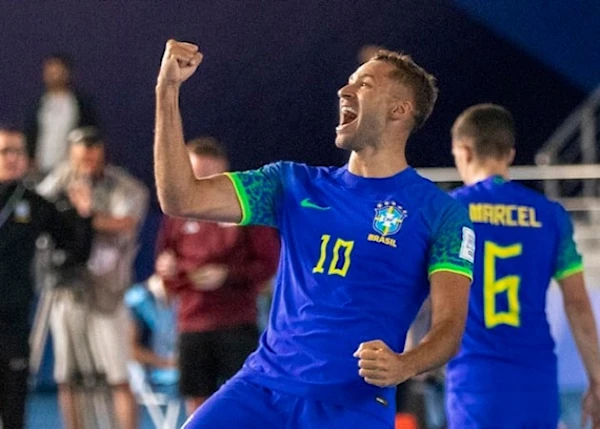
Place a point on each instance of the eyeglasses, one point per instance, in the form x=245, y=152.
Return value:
x=12, y=151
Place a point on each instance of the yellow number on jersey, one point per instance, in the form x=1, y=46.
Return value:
x=493, y=286
x=337, y=248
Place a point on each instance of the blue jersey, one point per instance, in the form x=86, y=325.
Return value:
x=523, y=240
x=354, y=267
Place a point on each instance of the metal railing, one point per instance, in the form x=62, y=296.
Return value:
x=575, y=141
x=585, y=210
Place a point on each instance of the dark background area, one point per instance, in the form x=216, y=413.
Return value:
x=268, y=83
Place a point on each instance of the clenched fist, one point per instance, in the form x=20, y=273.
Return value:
x=379, y=365
x=179, y=62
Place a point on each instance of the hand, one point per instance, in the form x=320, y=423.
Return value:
x=379, y=365
x=209, y=277
x=156, y=286
x=591, y=407
x=166, y=265
x=179, y=62
x=80, y=196
x=167, y=363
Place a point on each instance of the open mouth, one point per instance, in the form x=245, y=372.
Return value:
x=347, y=117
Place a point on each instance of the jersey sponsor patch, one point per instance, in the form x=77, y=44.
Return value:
x=467, y=246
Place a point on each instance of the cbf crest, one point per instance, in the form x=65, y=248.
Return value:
x=388, y=218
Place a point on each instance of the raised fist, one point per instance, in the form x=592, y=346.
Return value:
x=179, y=62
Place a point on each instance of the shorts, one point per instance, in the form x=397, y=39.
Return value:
x=89, y=342
x=503, y=410
x=242, y=404
x=208, y=359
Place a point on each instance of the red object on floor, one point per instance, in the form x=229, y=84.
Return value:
x=406, y=421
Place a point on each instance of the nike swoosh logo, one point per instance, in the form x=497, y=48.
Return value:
x=307, y=203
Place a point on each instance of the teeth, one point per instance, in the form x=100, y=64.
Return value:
x=348, y=110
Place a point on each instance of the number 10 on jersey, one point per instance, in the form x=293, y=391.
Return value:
x=341, y=250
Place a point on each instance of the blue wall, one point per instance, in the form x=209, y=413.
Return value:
x=563, y=34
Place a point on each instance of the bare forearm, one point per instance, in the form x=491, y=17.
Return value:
x=172, y=168
x=113, y=225
x=583, y=326
x=436, y=348
x=148, y=357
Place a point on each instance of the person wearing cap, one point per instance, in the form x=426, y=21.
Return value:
x=24, y=215
x=93, y=293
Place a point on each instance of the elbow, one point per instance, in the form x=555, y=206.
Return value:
x=454, y=348
x=577, y=307
x=170, y=206
x=454, y=341
x=173, y=203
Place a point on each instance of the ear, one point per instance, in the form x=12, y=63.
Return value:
x=401, y=109
x=469, y=153
x=511, y=156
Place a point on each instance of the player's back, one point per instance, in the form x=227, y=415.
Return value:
x=507, y=343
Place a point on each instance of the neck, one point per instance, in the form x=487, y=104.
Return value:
x=384, y=160
x=58, y=90
x=483, y=171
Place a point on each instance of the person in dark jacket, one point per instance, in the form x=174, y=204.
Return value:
x=24, y=215
x=60, y=109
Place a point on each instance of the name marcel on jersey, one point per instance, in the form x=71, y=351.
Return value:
x=504, y=215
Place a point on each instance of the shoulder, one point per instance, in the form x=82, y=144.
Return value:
x=434, y=196
x=36, y=199
x=301, y=169
x=438, y=207
x=136, y=295
x=56, y=181
x=124, y=179
x=289, y=172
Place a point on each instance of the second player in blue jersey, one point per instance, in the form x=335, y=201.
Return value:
x=505, y=374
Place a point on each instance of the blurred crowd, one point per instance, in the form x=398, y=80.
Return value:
x=70, y=224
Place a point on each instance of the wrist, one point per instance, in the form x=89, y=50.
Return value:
x=407, y=368
x=594, y=380
x=164, y=85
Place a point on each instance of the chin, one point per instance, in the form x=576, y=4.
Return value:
x=344, y=142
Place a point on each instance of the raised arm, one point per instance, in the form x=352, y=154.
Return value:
x=179, y=193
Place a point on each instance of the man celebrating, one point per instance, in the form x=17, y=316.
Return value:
x=363, y=245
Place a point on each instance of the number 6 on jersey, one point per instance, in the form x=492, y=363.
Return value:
x=492, y=286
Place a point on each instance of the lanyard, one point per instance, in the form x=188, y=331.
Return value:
x=11, y=204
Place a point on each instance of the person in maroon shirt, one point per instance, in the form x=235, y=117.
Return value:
x=216, y=271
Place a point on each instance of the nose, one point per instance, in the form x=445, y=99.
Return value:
x=346, y=91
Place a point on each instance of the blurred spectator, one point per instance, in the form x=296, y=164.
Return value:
x=217, y=271
x=153, y=334
x=90, y=303
x=23, y=217
x=55, y=113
